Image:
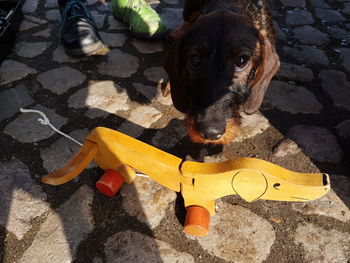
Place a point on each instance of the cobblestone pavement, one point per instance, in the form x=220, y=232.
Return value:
x=304, y=125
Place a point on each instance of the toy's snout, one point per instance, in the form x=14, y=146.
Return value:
x=252, y=185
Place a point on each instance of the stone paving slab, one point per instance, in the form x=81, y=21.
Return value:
x=131, y=246
x=238, y=235
x=21, y=198
x=303, y=125
x=63, y=231
x=26, y=128
x=333, y=245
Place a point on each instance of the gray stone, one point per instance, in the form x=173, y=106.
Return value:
x=119, y=64
x=153, y=94
x=104, y=6
x=294, y=72
x=307, y=54
x=60, y=55
x=25, y=25
x=345, y=55
x=51, y=4
x=63, y=231
x=53, y=15
x=61, y=151
x=171, y=2
x=99, y=19
x=12, y=100
x=299, y=17
x=346, y=9
x=30, y=6
x=317, y=142
x=46, y=33
x=333, y=204
x=251, y=125
x=335, y=84
x=97, y=260
x=11, y=70
x=92, y=2
x=21, y=198
x=238, y=235
x=31, y=49
x=285, y=148
x=278, y=31
x=322, y=245
x=147, y=200
x=147, y=47
x=310, y=36
x=113, y=39
x=140, y=118
x=156, y=74
x=294, y=3
x=172, y=17
x=338, y=33
x=329, y=16
x=290, y=98
x=129, y=246
x=172, y=134
x=35, y=20
x=343, y=129
x=319, y=3
x=60, y=80
x=341, y=187
x=115, y=24
x=102, y=98
x=26, y=127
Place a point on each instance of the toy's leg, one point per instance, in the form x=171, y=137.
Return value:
x=197, y=221
x=111, y=182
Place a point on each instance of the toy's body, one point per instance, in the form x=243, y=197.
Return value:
x=199, y=183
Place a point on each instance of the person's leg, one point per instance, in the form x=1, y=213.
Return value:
x=79, y=34
x=143, y=21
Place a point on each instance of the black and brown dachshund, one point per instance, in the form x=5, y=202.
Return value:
x=220, y=63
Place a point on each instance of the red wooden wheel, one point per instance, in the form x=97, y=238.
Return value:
x=110, y=183
x=197, y=221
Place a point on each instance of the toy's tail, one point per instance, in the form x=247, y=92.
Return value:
x=75, y=166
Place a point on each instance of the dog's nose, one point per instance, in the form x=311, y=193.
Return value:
x=212, y=130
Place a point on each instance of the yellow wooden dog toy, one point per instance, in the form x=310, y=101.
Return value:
x=199, y=183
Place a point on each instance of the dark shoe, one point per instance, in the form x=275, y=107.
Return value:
x=143, y=20
x=11, y=16
x=79, y=33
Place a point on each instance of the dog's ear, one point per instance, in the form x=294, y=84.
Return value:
x=173, y=63
x=173, y=66
x=269, y=65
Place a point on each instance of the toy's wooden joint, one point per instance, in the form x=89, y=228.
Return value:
x=185, y=180
x=127, y=172
x=193, y=198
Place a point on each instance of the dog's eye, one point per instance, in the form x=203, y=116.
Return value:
x=195, y=61
x=241, y=63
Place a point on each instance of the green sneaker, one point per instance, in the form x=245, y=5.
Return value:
x=143, y=21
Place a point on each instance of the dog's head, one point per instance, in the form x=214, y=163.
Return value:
x=217, y=63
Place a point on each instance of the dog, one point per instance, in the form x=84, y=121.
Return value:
x=220, y=63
